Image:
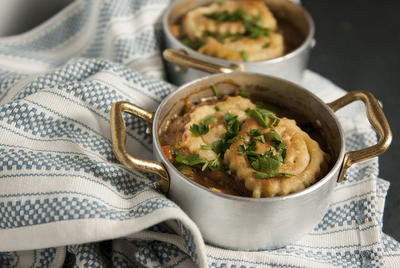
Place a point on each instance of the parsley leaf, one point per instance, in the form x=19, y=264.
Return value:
x=194, y=44
x=257, y=135
x=214, y=90
x=202, y=128
x=190, y=160
x=199, y=129
x=244, y=55
x=278, y=143
x=264, y=117
x=209, y=120
x=253, y=25
x=205, y=147
x=245, y=94
x=266, y=175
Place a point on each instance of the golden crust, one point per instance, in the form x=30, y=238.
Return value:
x=304, y=159
x=255, y=48
x=195, y=25
x=234, y=105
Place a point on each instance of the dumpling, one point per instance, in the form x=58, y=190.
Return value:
x=234, y=30
x=235, y=105
x=196, y=24
x=304, y=161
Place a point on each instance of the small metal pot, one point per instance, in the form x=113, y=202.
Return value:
x=242, y=222
x=290, y=66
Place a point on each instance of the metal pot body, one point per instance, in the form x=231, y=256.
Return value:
x=245, y=223
x=290, y=66
x=249, y=223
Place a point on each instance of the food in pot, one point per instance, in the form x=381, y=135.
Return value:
x=243, y=30
x=234, y=145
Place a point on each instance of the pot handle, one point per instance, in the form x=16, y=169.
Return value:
x=118, y=135
x=378, y=121
x=184, y=60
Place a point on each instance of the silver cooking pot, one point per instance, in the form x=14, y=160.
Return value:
x=242, y=222
x=297, y=27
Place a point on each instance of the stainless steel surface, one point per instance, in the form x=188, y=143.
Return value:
x=250, y=223
x=291, y=66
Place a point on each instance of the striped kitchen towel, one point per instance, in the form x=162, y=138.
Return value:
x=66, y=201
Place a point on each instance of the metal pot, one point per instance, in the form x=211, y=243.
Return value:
x=242, y=222
x=290, y=66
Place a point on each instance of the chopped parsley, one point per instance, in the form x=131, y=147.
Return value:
x=205, y=147
x=190, y=160
x=257, y=135
x=214, y=90
x=193, y=43
x=199, y=129
x=278, y=143
x=245, y=94
x=196, y=160
x=264, y=117
x=232, y=129
x=202, y=128
x=253, y=25
x=266, y=45
x=244, y=55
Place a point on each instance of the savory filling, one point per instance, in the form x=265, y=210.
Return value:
x=234, y=30
x=232, y=145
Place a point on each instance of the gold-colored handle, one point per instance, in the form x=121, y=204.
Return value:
x=182, y=59
x=378, y=121
x=118, y=134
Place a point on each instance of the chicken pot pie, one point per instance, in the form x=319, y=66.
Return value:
x=244, y=30
x=233, y=145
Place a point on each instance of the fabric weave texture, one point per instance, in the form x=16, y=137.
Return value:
x=66, y=201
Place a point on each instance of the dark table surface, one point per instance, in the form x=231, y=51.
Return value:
x=358, y=47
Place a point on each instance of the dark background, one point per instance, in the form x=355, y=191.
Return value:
x=358, y=47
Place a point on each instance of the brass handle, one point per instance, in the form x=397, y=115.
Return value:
x=378, y=121
x=118, y=134
x=182, y=59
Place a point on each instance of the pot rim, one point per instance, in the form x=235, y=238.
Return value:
x=308, y=190
x=307, y=41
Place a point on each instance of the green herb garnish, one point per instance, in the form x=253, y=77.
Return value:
x=202, y=128
x=266, y=45
x=199, y=129
x=209, y=120
x=190, y=160
x=266, y=175
x=245, y=94
x=194, y=44
x=257, y=135
x=232, y=129
x=244, y=55
x=217, y=108
x=264, y=117
x=278, y=143
x=205, y=147
x=215, y=164
x=253, y=25
x=214, y=90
